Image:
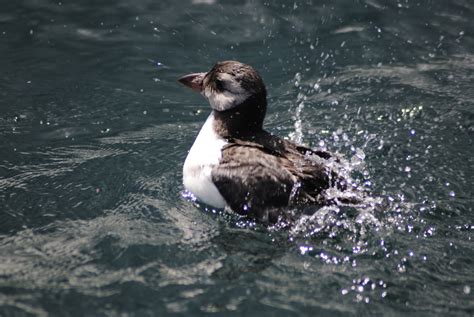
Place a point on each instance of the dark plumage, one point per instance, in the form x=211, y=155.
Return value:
x=258, y=173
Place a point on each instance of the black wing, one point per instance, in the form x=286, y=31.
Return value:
x=252, y=180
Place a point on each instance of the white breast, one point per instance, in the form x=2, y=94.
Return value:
x=204, y=154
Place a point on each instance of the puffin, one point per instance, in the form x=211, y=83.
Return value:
x=235, y=163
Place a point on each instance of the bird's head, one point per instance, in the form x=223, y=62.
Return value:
x=227, y=85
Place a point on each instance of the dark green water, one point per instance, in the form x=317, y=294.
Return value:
x=94, y=130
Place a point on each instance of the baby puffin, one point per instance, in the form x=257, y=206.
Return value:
x=235, y=163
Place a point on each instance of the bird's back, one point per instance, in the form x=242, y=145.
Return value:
x=264, y=172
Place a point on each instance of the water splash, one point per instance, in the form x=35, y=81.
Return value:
x=297, y=135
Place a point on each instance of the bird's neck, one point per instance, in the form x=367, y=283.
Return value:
x=243, y=120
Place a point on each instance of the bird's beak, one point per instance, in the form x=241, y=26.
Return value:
x=193, y=81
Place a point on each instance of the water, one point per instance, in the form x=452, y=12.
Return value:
x=94, y=130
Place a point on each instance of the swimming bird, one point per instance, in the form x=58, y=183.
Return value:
x=235, y=163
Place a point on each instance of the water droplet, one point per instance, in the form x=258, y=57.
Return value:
x=360, y=154
x=401, y=268
x=305, y=249
x=466, y=289
x=452, y=193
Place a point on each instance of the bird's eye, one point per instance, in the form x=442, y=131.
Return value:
x=219, y=85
